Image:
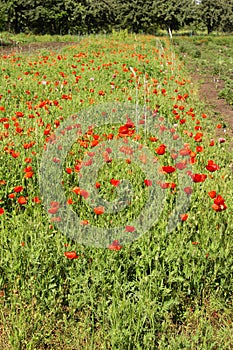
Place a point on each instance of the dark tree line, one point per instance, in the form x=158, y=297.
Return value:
x=91, y=16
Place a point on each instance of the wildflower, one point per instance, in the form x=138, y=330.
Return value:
x=99, y=210
x=129, y=228
x=19, y=114
x=36, y=200
x=71, y=255
x=161, y=149
x=184, y=217
x=168, y=169
x=22, y=200
x=84, y=222
x=212, y=194
x=198, y=137
x=18, y=189
x=212, y=143
x=115, y=182
x=219, y=204
x=84, y=194
x=180, y=165
x=115, y=245
x=148, y=182
x=199, y=177
x=28, y=174
x=212, y=166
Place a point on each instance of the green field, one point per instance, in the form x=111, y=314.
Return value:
x=152, y=273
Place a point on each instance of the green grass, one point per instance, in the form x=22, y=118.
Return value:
x=165, y=290
x=210, y=55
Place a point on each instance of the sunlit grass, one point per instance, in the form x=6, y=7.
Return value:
x=163, y=290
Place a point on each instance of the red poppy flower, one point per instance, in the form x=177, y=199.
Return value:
x=2, y=211
x=18, y=189
x=76, y=190
x=184, y=152
x=84, y=222
x=172, y=185
x=28, y=174
x=219, y=204
x=36, y=200
x=212, y=166
x=199, y=149
x=184, y=217
x=115, y=245
x=198, y=137
x=54, y=206
x=68, y=170
x=84, y=194
x=27, y=169
x=22, y=200
x=129, y=228
x=168, y=169
x=19, y=114
x=126, y=130
x=99, y=210
x=53, y=210
x=97, y=185
x=161, y=149
x=148, y=182
x=126, y=150
x=219, y=200
x=71, y=255
x=115, y=182
x=212, y=194
x=180, y=165
x=212, y=143
x=199, y=177
x=15, y=154
x=164, y=185
x=153, y=139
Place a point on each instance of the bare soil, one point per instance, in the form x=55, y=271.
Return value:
x=33, y=47
x=209, y=87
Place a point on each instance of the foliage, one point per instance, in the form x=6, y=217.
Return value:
x=173, y=14
x=91, y=16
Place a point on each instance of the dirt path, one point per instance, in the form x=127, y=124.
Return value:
x=209, y=88
x=33, y=47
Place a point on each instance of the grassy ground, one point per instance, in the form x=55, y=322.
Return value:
x=210, y=55
x=164, y=290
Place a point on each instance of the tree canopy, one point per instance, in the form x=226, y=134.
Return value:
x=90, y=16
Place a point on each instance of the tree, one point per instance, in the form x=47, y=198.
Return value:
x=15, y=12
x=134, y=15
x=100, y=15
x=173, y=14
x=47, y=16
x=226, y=24
x=210, y=13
